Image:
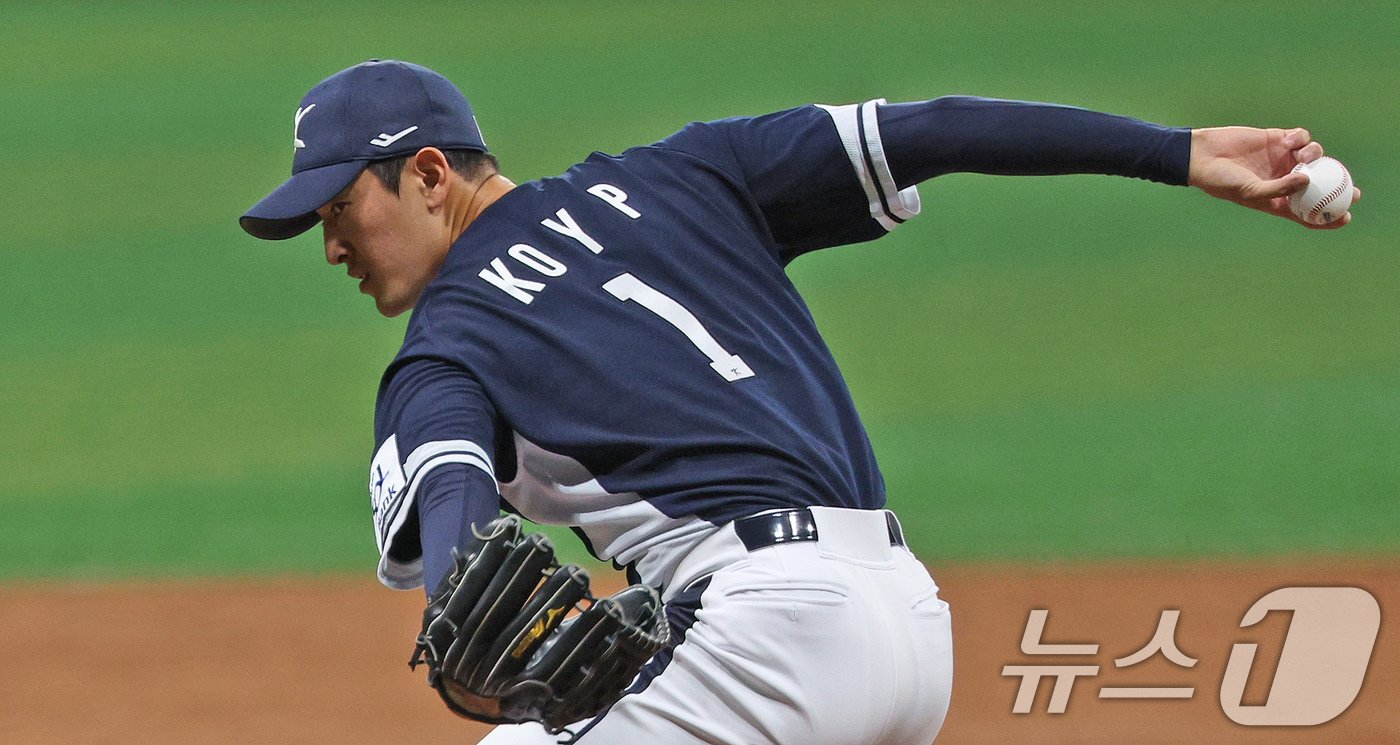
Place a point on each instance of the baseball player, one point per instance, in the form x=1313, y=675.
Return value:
x=618, y=349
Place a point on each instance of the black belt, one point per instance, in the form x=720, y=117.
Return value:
x=793, y=526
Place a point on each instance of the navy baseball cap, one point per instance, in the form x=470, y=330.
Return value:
x=375, y=110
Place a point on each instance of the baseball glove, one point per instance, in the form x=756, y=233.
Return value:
x=501, y=643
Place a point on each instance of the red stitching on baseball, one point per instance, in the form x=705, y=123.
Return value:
x=1331, y=195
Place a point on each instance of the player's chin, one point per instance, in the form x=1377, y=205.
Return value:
x=390, y=307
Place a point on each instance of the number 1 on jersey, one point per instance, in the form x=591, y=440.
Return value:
x=626, y=287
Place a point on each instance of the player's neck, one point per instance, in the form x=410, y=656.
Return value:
x=474, y=201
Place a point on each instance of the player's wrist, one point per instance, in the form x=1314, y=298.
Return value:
x=1202, y=151
x=1210, y=152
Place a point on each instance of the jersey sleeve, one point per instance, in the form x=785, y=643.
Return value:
x=432, y=474
x=968, y=134
x=817, y=173
x=829, y=175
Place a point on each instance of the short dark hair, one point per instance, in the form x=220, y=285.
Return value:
x=472, y=165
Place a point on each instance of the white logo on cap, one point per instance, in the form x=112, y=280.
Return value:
x=385, y=139
x=296, y=128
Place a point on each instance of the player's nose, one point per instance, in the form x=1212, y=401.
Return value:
x=336, y=250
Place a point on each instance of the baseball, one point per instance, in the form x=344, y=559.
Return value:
x=1328, y=195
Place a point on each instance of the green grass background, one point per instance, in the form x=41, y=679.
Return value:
x=1049, y=368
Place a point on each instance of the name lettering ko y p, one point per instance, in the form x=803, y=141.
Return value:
x=625, y=287
x=499, y=273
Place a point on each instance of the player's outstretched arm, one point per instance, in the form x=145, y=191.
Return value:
x=1248, y=166
x=1253, y=167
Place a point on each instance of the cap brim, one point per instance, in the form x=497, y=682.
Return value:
x=290, y=209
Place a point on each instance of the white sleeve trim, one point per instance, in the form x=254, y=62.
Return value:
x=430, y=450
x=859, y=130
x=398, y=575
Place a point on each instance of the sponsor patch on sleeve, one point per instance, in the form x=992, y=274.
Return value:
x=387, y=488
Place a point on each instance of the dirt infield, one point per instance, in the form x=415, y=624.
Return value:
x=323, y=660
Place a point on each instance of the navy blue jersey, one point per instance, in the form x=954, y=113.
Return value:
x=619, y=349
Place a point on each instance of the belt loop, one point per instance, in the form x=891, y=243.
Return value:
x=862, y=535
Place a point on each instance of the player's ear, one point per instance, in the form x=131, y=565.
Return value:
x=427, y=172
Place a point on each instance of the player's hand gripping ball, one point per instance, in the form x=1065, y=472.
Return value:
x=1328, y=195
x=502, y=646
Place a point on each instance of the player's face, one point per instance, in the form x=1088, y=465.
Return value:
x=387, y=241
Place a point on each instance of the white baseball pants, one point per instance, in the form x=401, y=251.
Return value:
x=838, y=641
